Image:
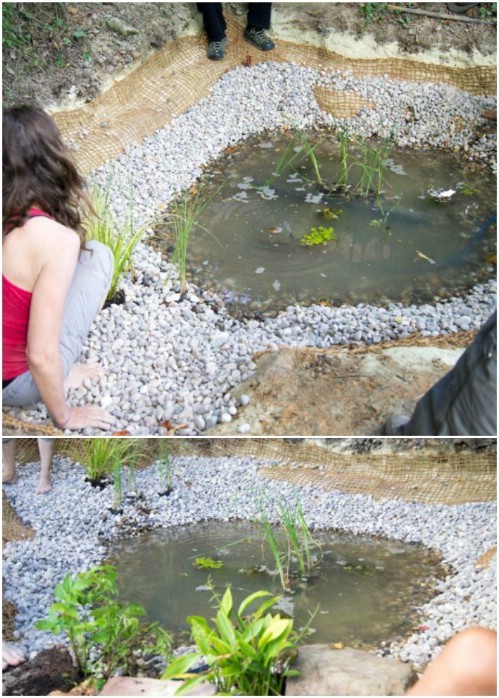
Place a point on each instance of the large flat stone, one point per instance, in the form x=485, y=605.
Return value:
x=130, y=686
x=347, y=672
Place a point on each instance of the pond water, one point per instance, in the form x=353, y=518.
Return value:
x=367, y=590
x=400, y=246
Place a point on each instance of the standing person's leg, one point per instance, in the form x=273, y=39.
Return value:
x=88, y=289
x=213, y=20
x=259, y=15
x=214, y=26
x=9, y=474
x=464, y=401
x=465, y=667
x=258, y=21
x=46, y=450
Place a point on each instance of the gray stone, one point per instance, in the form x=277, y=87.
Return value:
x=347, y=672
x=133, y=686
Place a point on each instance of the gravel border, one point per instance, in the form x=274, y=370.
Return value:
x=73, y=522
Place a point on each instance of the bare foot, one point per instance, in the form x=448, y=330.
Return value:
x=81, y=372
x=9, y=476
x=11, y=656
x=44, y=485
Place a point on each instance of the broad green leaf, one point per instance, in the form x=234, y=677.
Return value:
x=276, y=629
x=186, y=685
x=225, y=628
x=226, y=604
x=249, y=600
x=180, y=665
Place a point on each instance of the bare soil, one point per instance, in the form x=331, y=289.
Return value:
x=343, y=390
x=63, y=54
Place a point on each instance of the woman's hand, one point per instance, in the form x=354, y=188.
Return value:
x=89, y=416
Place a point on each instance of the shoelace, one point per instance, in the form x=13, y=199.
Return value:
x=218, y=45
x=258, y=34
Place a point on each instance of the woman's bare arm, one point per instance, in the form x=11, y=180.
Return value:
x=60, y=252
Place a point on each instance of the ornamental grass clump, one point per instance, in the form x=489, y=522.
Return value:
x=248, y=653
x=101, y=456
x=121, y=237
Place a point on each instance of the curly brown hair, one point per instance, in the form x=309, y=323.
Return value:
x=38, y=171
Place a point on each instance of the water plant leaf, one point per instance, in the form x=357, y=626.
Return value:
x=207, y=563
x=318, y=236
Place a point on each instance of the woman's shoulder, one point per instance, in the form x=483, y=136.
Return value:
x=48, y=226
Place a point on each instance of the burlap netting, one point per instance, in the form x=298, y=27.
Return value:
x=177, y=77
x=434, y=475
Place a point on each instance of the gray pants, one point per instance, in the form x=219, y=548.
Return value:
x=88, y=289
x=464, y=401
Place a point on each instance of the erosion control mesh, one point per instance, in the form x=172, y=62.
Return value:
x=434, y=474
x=178, y=76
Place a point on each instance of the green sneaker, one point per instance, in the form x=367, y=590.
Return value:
x=259, y=38
x=216, y=50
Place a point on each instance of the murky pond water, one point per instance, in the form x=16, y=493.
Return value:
x=399, y=246
x=366, y=589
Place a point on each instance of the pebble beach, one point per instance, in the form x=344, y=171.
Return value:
x=73, y=523
x=172, y=357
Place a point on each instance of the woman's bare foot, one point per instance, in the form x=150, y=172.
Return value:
x=11, y=656
x=9, y=475
x=44, y=485
x=80, y=372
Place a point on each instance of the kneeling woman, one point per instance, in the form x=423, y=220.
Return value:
x=54, y=281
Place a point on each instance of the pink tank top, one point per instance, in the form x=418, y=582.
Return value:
x=16, y=303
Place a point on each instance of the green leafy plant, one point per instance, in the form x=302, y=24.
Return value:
x=248, y=653
x=488, y=11
x=373, y=11
x=207, y=563
x=122, y=238
x=317, y=236
x=102, y=632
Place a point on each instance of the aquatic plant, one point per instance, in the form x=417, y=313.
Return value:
x=207, y=563
x=317, y=236
x=298, y=547
x=102, y=632
x=281, y=558
x=183, y=215
x=343, y=138
x=164, y=467
x=247, y=654
x=121, y=237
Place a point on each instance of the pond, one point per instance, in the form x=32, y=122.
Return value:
x=393, y=236
x=366, y=590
